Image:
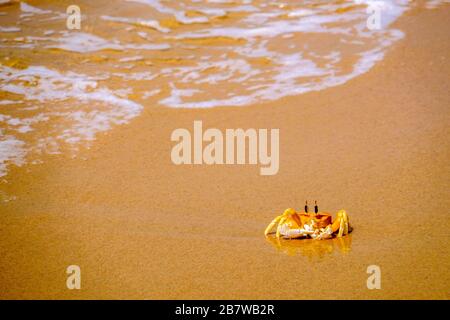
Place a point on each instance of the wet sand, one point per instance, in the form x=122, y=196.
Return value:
x=141, y=227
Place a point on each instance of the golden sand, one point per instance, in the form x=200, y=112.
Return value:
x=141, y=227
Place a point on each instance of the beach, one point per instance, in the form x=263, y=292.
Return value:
x=141, y=227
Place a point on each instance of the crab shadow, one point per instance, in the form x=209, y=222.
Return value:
x=312, y=249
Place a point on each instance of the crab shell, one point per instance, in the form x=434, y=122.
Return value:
x=321, y=219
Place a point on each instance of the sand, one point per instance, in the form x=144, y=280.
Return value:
x=141, y=227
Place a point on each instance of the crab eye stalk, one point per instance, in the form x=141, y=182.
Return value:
x=306, y=206
x=316, y=208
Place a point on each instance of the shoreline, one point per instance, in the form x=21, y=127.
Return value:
x=145, y=228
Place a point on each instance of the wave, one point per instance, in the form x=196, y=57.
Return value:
x=61, y=87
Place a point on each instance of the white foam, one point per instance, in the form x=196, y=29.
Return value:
x=26, y=8
x=432, y=4
x=9, y=29
x=285, y=74
x=11, y=152
x=83, y=42
x=131, y=59
x=179, y=15
x=80, y=42
x=86, y=107
x=5, y=102
x=153, y=24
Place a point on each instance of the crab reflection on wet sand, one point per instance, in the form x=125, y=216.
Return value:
x=310, y=248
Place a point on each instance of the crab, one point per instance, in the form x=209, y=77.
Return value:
x=317, y=225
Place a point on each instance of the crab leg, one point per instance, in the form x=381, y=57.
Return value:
x=272, y=224
x=341, y=228
x=346, y=226
x=280, y=224
x=341, y=223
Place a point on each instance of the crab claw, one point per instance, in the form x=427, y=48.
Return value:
x=324, y=233
x=276, y=221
